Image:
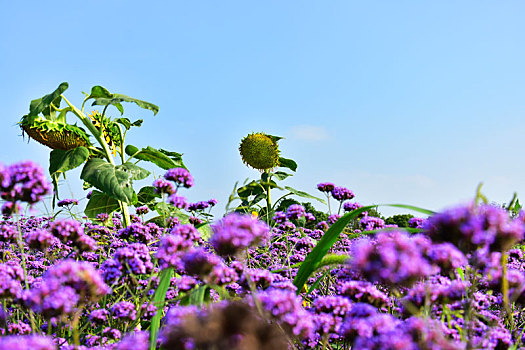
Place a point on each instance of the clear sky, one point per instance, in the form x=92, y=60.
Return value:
x=401, y=101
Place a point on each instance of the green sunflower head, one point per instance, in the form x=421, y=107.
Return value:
x=260, y=151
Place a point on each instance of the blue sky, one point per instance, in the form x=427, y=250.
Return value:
x=401, y=101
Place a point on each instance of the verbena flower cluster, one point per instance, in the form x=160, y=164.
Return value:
x=455, y=280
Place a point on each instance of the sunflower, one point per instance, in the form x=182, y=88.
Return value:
x=54, y=134
x=260, y=151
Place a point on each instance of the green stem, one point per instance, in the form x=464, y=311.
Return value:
x=268, y=199
x=94, y=131
x=505, y=288
x=24, y=265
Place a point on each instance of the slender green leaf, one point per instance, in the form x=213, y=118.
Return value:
x=373, y=232
x=313, y=260
x=198, y=295
x=158, y=300
x=287, y=163
x=303, y=194
x=100, y=203
x=61, y=161
x=315, y=285
x=109, y=179
x=411, y=207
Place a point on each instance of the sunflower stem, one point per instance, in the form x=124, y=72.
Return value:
x=87, y=123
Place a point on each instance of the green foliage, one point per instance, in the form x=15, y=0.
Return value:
x=147, y=196
x=42, y=105
x=103, y=97
x=287, y=163
x=161, y=158
x=400, y=220
x=100, y=203
x=115, y=181
x=61, y=161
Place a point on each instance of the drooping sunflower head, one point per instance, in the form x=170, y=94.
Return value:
x=260, y=151
x=53, y=134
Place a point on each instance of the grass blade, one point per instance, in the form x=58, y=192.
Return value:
x=158, y=301
x=317, y=254
x=313, y=260
x=411, y=207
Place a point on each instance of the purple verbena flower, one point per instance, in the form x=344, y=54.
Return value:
x=171, y=249
x=393, y=258
x=285, y=308
x=99, y=316
x=279, y=217
x=369, y=223
x=142, y=210
x=33, y=342
x=8, y=233
x=135, y=258
x=180, y=176
x=416, y=222
x=137, y=232
x=236, y=232
x=124, y=310
x=162, y=186
x=342, y=193
x=134, y=341
x=67, y=202
x=178, y=201
x=471, y=227
x=295, y=211
x=325, y=187
x=332, y=219
x=348, y=206
x=66, y=230
x=364, y=292
x=24, y=181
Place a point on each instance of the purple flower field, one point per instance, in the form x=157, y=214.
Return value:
x=452, y=281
